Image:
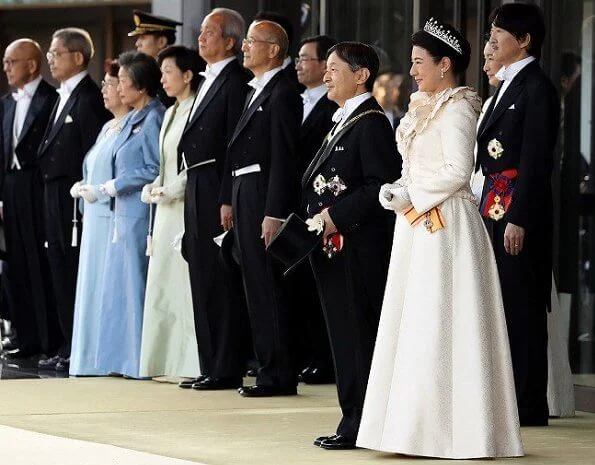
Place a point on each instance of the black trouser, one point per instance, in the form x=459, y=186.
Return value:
x=28, y=271
x=351, y=287
x=218, y=299
x=63, y=257
x=309, y=329
x=526, y=320
x=267, y=305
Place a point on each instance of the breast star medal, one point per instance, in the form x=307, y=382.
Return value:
x=495, y=149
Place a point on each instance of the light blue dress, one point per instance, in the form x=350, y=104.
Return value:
x=97, y=169
x=135, y=162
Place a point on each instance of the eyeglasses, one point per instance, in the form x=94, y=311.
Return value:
x=250, y=41
x=111, y=84
x=52, y=55
x=305, y=60
x=9, y=63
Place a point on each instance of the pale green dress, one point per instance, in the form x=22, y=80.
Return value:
x=169, y=339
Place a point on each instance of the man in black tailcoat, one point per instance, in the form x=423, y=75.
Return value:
x=201, y=152
x=25, y=115
x=75, y=122
x=314, y=353
x=515, y=144
x=260, y=188
x=340, y=189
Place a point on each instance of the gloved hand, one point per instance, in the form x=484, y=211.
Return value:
x=145, y=195
x=75, y=190
x=316, y=223
x=109, y=188
x=89, y=193
x=158, y=195
x=394, y=197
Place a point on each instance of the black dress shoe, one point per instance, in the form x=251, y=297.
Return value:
x=261, y=390
x=63, y=365
x=338, y=442
x=187, y=384
x=217, y=384
x=319, y=440
x=48, y=363
x=315, y=375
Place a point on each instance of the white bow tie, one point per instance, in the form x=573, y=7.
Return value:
x=20, y=94
x=503, y=74
x=256, y=83
x=63, y=91
x=338, y=115
x=208, y=73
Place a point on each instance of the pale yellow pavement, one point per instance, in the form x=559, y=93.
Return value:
x=222, y=428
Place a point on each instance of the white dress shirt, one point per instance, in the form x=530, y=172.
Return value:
x=65, y=90
x=288, y=61
x=260, y=82
x=342, y=114
x=23, y=98
x=210, y=74
x=508, y=74
x=311, y=98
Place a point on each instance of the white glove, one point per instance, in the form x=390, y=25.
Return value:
x=89, y=193
x=145, y=195
x=75, y=190
x=394, y=197
x=109, y=188
x=316, y=223
x=158, y=195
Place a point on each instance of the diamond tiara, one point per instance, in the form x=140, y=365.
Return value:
x=437, y=30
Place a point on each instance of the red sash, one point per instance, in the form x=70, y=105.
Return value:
x=499, y=196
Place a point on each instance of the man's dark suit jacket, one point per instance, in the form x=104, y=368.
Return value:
x=267, y=134
x=33, y=130
x=314, y=129
x=67, y=141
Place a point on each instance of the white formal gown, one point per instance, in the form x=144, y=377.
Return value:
x=441, y=382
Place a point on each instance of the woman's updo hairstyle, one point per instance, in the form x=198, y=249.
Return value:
x=443, y=40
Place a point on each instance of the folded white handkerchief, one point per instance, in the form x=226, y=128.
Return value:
x=68, y=119
x=259, y=109
x=512, y=107
x=219, y=239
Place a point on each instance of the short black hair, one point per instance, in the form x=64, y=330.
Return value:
x=439, y=49
x=521, y=19
x=142, y=70
x=170, y=36
x=323, y=44
x=186, y=59
x=111, y=67
x=278, y=18
x=358, y=55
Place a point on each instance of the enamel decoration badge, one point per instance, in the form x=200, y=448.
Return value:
x=495, y=149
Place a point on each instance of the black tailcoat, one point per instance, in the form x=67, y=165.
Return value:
x=60, y=158
x=22, y=193
x=525, y=121
x=266, y=134
x=351, y=284
x=313, y=346
x=218, y=301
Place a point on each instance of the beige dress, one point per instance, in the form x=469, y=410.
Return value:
x=169, y=339
x=441, y=382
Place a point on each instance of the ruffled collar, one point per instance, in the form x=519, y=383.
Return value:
x=423, y=108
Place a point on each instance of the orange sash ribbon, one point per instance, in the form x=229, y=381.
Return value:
x=432, y=219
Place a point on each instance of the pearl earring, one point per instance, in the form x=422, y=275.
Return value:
x=441, y=74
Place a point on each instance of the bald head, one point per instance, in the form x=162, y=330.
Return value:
x=276, y=34
x=22, y=62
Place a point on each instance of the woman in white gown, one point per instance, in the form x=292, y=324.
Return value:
x=441, y=383
x=169, y=339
